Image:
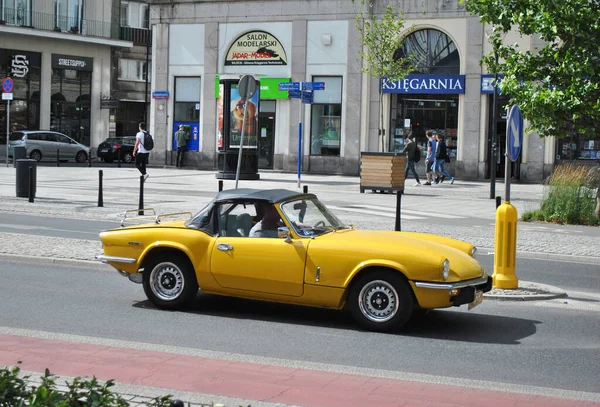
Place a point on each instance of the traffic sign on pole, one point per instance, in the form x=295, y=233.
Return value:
x=288, y=86
x=294, y=94
x=307, y=97
x=313, y=86
x=7, y=85
x=514, y=130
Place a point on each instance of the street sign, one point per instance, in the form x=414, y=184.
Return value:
x=7, y=85
x=7, y=96
x=307, y=97
x=514, y=132
x=160, y=94
x=294, y=94
x=288, y=86
x=247, y=86
x=313, y=85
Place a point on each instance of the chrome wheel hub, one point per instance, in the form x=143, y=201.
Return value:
x=378, y=301
x=166, y=281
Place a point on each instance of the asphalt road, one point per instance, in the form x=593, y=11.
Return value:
x=545, y=343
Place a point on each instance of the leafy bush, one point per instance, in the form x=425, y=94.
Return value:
x=569, y=197
x=15, y=392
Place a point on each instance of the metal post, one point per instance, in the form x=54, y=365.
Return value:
x=300, y=137
x=119, y=158
x=220, y=185
x=493, y=155
x=100, y=198
x=398, y=210
x=507, y=169
x=31, y=193
x=498, y=201
x=58, y=157
x=90, y=158
x=147, y=81
x=239, y=163
x=305, y=189
x=8, y=130
x=141, y=203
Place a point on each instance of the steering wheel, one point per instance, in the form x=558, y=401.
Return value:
x=319, y=223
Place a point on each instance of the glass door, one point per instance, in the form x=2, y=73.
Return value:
x=266, y=135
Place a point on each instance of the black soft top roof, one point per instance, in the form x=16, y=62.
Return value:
x=269, y=195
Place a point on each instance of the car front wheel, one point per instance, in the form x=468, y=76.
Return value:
x=35, y=155
x=170, y=283
x=381, y=301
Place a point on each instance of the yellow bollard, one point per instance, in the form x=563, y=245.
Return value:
x=505, y=252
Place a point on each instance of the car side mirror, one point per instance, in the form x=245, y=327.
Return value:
x=284, y=232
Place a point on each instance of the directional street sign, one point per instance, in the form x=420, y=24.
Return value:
x=514, y=132
x=7, y=96
x=288, y=86
x=7, y=85
x=313, y=85
x=307, y=97
x=294, y=94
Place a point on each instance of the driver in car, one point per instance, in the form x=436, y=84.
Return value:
x=267, y=226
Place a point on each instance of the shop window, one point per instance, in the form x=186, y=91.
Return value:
x=134, y=14
x=187, y=99
x=132, y=70
x=16, y=12
x=579, y=147
x=71, y=103
x=68, y=15
x=326, y=117
x=431, y=52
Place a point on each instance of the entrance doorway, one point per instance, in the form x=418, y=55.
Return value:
x=500, y=128
x=266, y=134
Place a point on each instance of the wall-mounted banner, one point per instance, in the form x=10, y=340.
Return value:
x=72, y=62
x=487, y=83
x=18, y=64
x=426, y=84
x=269, y=88
x=256, y=48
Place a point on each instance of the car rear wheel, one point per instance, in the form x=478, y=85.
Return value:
x=81, y=157
x=381, y=301
x=35, y=155
x=128, y=158
x=170, y=282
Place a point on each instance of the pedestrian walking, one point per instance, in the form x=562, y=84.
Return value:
x=413, y=155
x=181, y=137
x=430, y=158
x=139, y=152
x=441, y=155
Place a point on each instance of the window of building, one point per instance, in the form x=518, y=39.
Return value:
x=187, y=99
x=16, y=12
x=326, y=117
x=134, y=14
x=68, y=15
x=128, y=117
x=132, y=70
x=431, y=52
x=71, y=103
x=579, y=147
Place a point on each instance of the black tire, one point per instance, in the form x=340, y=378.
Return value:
x=128, y=158
x=381, y=301
x=81, y=156
x=169, y=281
x=108, y=160
x=36, y=155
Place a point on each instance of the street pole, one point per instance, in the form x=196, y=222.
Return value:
x=494, y=127
x=239, y=163
x=7, y=129
x=300, y=137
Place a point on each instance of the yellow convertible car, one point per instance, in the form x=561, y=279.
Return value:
x=285, y=246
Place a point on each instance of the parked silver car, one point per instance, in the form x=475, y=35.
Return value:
x=45, y=144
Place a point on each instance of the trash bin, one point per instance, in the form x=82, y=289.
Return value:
x=19, y=153
x=23, y=166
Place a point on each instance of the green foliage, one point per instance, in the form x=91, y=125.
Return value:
x=556, y=86
x=568, y=198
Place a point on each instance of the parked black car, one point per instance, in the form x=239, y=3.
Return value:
x=109, y=149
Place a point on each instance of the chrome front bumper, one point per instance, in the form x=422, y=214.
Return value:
x=454, y=286
x=115, y=259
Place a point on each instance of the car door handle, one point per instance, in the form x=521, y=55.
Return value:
x=224, y=247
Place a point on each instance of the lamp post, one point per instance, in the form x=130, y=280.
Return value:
x=494, y=128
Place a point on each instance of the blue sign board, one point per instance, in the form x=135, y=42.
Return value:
x=7, y=85
x=294, y=94
x=160, y=94
x=514, y=132
x=307, y=96
x=313, y=85
x=288, y=86
x=426, y=84
x=487, y=83
x=193, y=144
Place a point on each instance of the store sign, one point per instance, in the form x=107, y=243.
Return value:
x=72, y=62
x=256, y=48
x=19, y=63
x=426, y=84
x=269, y=88
x=487, y=83
x=19, y=66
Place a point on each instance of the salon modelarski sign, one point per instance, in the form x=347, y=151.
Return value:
x=256, y=48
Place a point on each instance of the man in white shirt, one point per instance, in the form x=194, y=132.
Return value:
x=267, y=227
x=139, y=152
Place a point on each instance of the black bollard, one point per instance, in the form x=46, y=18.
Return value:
x=90, y=158
x=177, y=403
x=398, y=210
x=305, y=189
x=100, y=198
x=141, y=203
x=220, y=185
x=58, y=158
x=119, y=158
x=31, y=193
x=498, y=200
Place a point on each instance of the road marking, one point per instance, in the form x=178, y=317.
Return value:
x=39, y=228
x=420, y=213
x=369, y=212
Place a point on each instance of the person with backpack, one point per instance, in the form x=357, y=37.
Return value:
x=413, y=155
x=144, y=143
x=441, y=156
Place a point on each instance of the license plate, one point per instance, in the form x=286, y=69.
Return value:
x=104, y=150
x=477, y=300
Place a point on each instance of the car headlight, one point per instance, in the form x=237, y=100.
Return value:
x=446, y=269
x=473, y=252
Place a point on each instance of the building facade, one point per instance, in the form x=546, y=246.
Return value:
x=59, y=57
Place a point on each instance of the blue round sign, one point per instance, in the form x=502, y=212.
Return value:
x=7, y=85
x=514, y=132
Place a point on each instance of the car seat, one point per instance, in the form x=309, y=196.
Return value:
x=244, y=224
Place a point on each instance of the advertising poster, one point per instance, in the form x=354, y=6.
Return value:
x=236, y=120
x=220, y=144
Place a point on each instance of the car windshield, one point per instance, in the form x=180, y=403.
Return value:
x=309, y=217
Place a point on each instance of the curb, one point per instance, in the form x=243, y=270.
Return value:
x=90, y=264
x=549, y=256
x=545, y=292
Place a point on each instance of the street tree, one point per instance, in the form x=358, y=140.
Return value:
x=556, y=86
x=381, y=37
